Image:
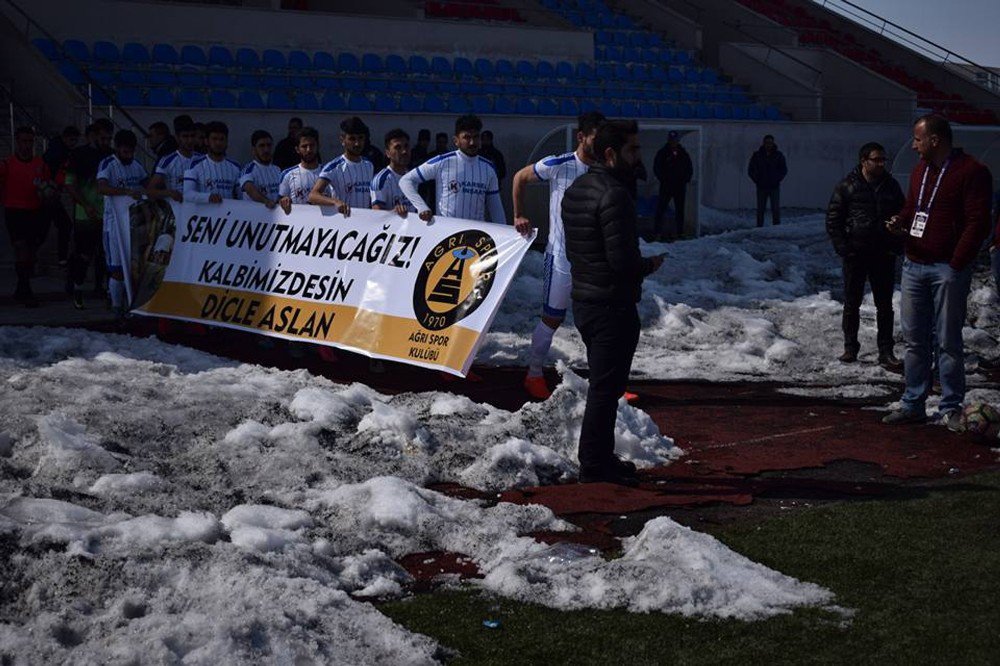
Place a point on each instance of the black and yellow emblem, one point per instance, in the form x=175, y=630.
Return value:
x=454, y=279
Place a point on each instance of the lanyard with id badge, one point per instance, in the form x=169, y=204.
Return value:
x=923, y=212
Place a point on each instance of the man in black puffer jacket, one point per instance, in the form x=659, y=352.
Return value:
x=602, y=244
x=855, y=220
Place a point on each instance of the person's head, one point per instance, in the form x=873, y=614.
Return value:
x=871, y=157
x=201, y=137
x=441, y=142
x=125, y=143
x=185, y=134
x=90, y=133
x=352, y=137
x=24, y=142
x=673, y=138
x=932, y=137
x=294, y=127
x=183, y=120
x=397, y=149
x=262, y=146
x=486, y=139
x=586, y=130
x=158, y=133
x=617, y=146
x=70, y=136
x=102, y=137
x=216, y=139
x=467, y=129
x=769, y=143
x=424, y=138
x=105, y=124
x=308, y=145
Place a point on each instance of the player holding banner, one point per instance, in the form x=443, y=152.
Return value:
x=346, y=181
x=260, y=178
x=297, y=181
x=386, y=194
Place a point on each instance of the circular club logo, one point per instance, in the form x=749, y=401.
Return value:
x=454, y=279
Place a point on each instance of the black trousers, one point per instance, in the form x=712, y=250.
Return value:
x=880, y=272
x=610, y=333
x=666, y=196
x=763, y=195
x=27, y=230
x=87, y=248
x=64, y=226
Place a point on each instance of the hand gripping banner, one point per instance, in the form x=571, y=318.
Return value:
x=373, y=283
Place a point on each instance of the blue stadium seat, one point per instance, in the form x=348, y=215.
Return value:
x=685, y=111
x=424, y=86
x=631, y=54
x=300, y=60
x=740, y=112
x=327, y=82
x=584, y=71
x=648, y=110
x=650, y=56
x=76, y=50
x=106, y=52
x=603, y=38
x=682, y=57
x=564, y=70
x=668, y=110
x=220, y=56
x=105, y=77
x=629, y=109
x=459, y=104
x=247, y=58
x=703, y=111
x=654, y=40
x=160, y=97
x=504, y=105
x=348, y=62
x=448, y=87
x=525, y=69
x=526, y=107
x=545, y=70
x=666, y=57
x=609, y=108
x=193, y=55
x=161, y=77
x=358, y=102
x=410, y=104
x=440, y=66
x=482, y=104
x=620, y=72
x=723, y=111
x=352, y=83
x=99, y=97
x=129, y=96
x=483, y=68
x=772, y=113
x=165, y=54
x=613, y=54
x=332, y=101
x=222, y=99
x=463, y=66
x=48, y=48
x=385, y=103
x=400, y=86
x=657, y=73
x=324, y=61
x=279, y=99
x=604, y=72
x=709, y=75
x=419, y=65
x=688, y=93
x=377, y=85
x=637, y=39
x=135, y=54
x=132, y=77
x=547, y=107
x=274, y=59
x=193, y=99
x=300, y=82
x=191, y=78
x=221, y=80
x=395, y=64
x=675, y=75
x=371, y=62
x=434, y=104
x=247, y=80
x=692, y=75
x=756, y=112
x=587, y=105
x=619, y=39
x=639, y=73
x=568, y=107
x=505, y=68
x=554, y=91
x=250, y=99
x=274, y=81
x=624, y=22
x=306, y=101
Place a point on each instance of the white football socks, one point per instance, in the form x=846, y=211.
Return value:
x=541, y=341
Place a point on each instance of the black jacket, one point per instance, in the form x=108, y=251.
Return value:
x=673, y=169
x=855, y=218
x=767, y=170
x=602, y=239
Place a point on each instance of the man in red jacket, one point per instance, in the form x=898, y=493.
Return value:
x=946, y=219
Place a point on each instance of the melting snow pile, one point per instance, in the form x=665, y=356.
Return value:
x=159, y=504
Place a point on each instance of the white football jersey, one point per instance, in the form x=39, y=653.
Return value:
x=463, y=184
x=266, y=177
x=297, y=182
x=386, y=192
x=350, y=182
x=559, y=171
x=207, y=177
x=172, y=167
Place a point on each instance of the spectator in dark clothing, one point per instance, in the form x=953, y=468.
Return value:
x=440, y=144
x=373, y=154
x=490, y=152
x=160, y=140
x=672, y=167
x=56, y=158
x=200, y=138
x=286, y=152
x=427, y=190
x=860, y=206
x=419, y=152
x=767, y=169
x=602, y=244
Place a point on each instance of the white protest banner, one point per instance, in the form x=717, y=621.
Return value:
x=373, y=282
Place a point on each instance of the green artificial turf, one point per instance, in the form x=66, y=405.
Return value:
x=922, y=576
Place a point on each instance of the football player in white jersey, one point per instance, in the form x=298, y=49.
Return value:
x=169, y=171
x=466, y=183
x=213, y=177
x=119, y=175
x=386, y=194
x=559, y=171
x=348, y=179
x=297, y=181
x=260, y=179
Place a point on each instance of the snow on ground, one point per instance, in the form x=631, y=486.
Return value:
x=161, y=505
x=744, y=304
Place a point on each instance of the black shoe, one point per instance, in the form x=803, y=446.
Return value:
x=78, y=299
x=849, y=356
x=990, y=363
x=625, y=466
x=903, y=416
x=890, y=363
x=614, y=476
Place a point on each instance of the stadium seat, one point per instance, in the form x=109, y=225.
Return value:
x=525, y=69
x=587, y=105
x=545, y=70
x=526, y=107
x=221, y=80
x=483, y=68
x=274, y=59
x=756, y=112
x=395, y=64
x=459, y=104
x=251, y=81
x=423, y=86
x=191, y=78
x=564, y=70
x=376, y=85
x=358, y=102
x=129, y=96
x=222, y=99
x=723, y=111
x=160, y=97
x=619, y=39
x=324, y=61
x=648, y=110
x=584, y=71
x=105, y=77
x=279, y=99
x=193, y=99
x=463, y=66
x=609, y=108
x=547, y=107
x=703, y=111
x=709, y=75
x=165, y=54
x=419, y=65
x=193, y=55
x=300, y=82
x=631, y=54
x=106, y=52
x=620, y=72
x=250, y=99
x=220, y=56
x=449, y=87
x=668, y=110
x=685, y=111
x=332, y=101
x=48, y=48
x=132, y=77
x=76, y=50
x=306, y=101
x=505, y=68
x=434, y=104
x=639, y=73
x=348, y=62
x=371, y=62
x=440, y=66
x=247, y=58
x=99, y=97
x=629, y=109
x=135, y=54
x=568, y=107
x=400, y=86
x=410, y=104
x=772, y=113
x=740, y=112
x=482, y=104
x=614, y=54
x=636, y=39
x=682, y=57
x=300, y=61
x=504, y=105
x=675, y=75
x=274, y=81
x=161, y=77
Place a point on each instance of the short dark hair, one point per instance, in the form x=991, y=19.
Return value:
x=217, y=127
x=768, y=136
x=24, y=129
x=441, y=135
x=258, y=135
x=936, y=125
x=126, y=138
x=183, y=123
x=159, y=126
x=105, y=124
x=424, y=134
x=468, y=123
x=868, y=148
x=90, y=129
x=71, y=130
x=394, y=134
x=487, y=133
x=590, y=121
x=309, y=133
x=613, y=134
x=353, y=125
x=202, y=127
x=295, y=119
